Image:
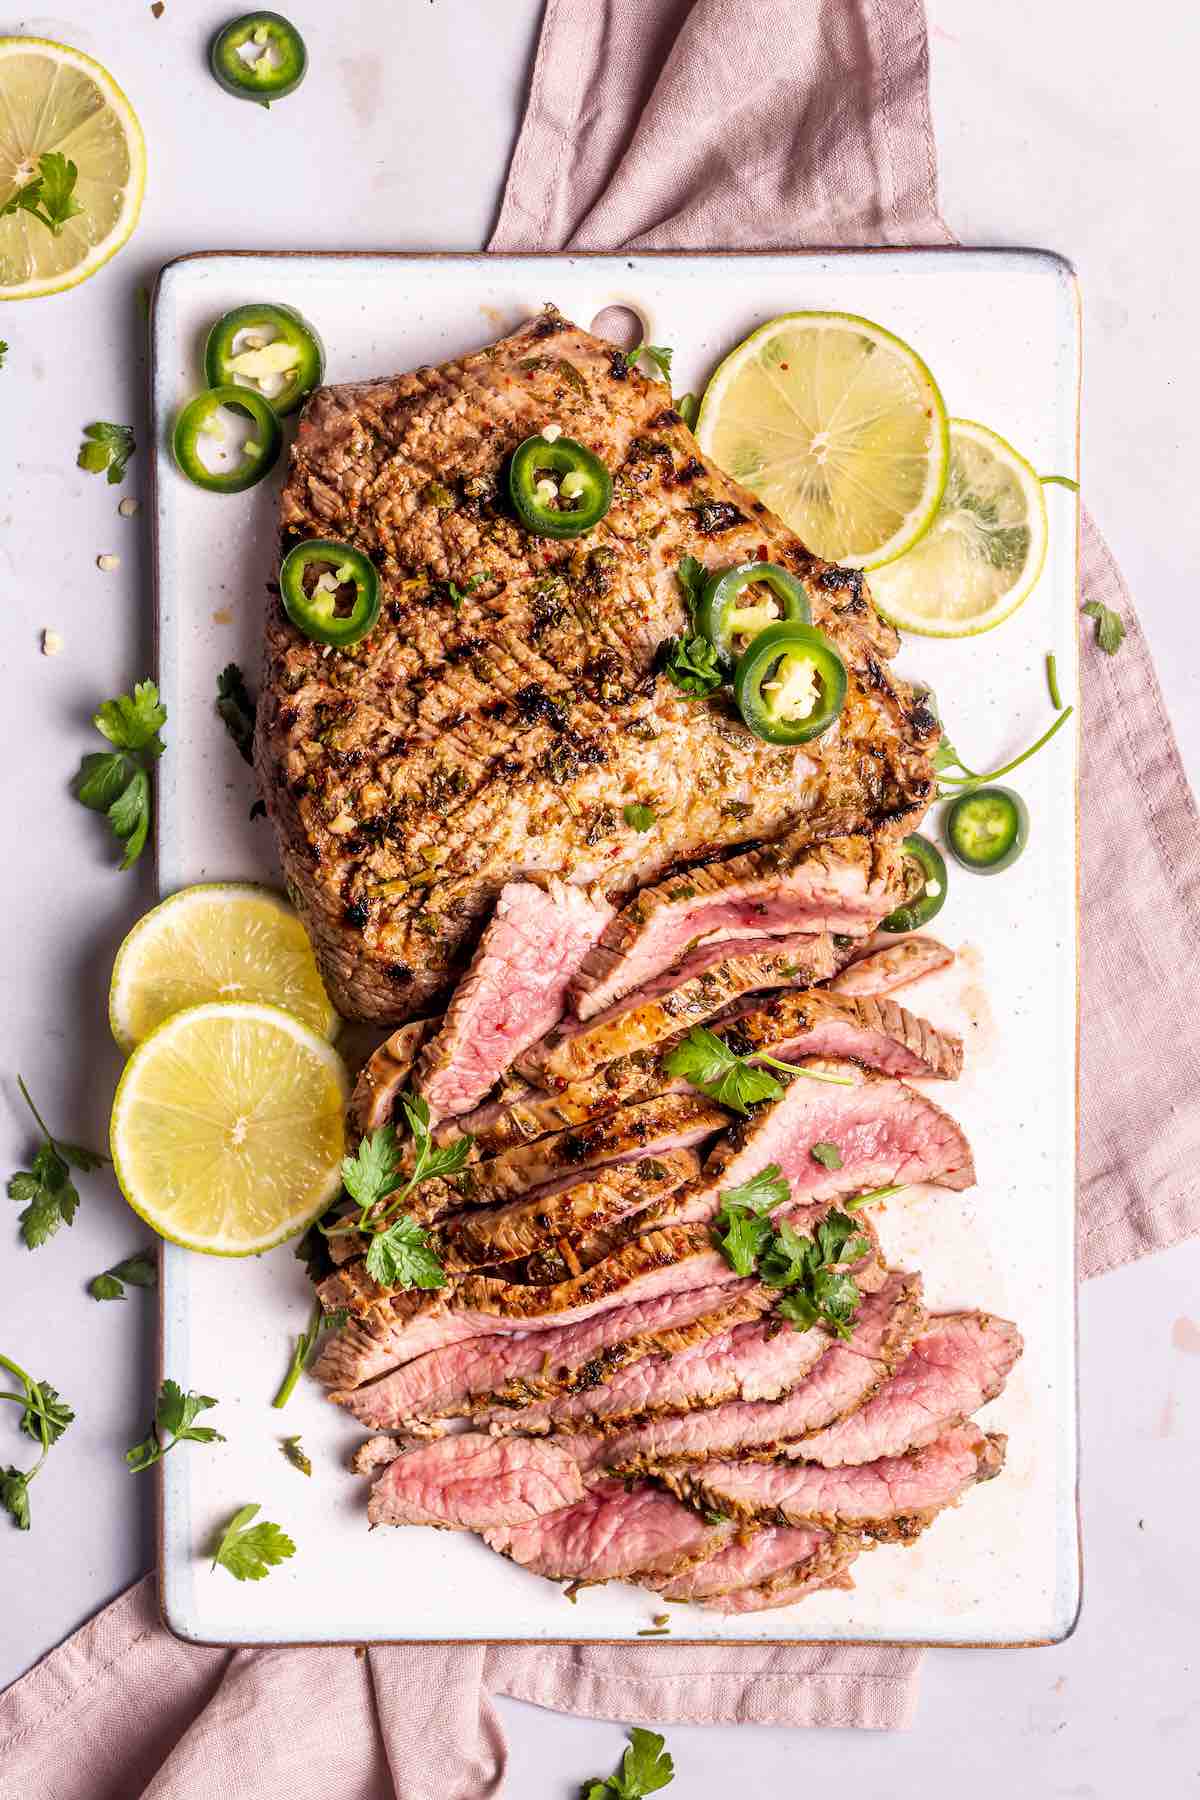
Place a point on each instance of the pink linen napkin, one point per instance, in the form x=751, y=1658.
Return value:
x=689, y=124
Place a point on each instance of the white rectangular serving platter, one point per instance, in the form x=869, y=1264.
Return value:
x=1000, y=331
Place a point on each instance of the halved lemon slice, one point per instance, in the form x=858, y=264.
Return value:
x=56, y=98
x=227, y=1129
x=226, y=940
x=984, y=551
x=838, y=426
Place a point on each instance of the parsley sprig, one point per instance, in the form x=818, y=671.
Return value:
x=117, y=781
x=45, y=1415
x=400, y=1253
x=49, y=195
x=175, y=1414
x=138, y=1271
x=738, y=1082
x=45, y=1189
x=250, y=1551
x=235, y=708
x=816, y=1287
x=646, y=1767
x=106, y=450
x=690, y=661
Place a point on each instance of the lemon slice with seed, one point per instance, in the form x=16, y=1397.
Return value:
x=984, y=551
x=838, y=426
x=227, y=1129
x=224, y=940
x=53, y=98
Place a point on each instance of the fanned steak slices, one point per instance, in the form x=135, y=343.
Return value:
x=497, y=727
x=507, y=1233
x=884, y=1133
x=804, y=1558
x=843, y=1380
x=486, y=1373
x=892, y=1497
x=844, y=885
x=892, y=966
x=875, y=1032
x=470, y=1482
x=384, y=1077
x=702, y=984
x=669, y=1121
x=616, y=1531
x=513, y=991
x=784, y=1589
x=959, y=1363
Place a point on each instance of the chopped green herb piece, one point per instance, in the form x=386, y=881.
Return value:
x=45, y=1189
x=106, y=450
x=1110, y=627
x=1059, y=481
x=688, y=408
x=174, y=1414
x=250, y=1551
x=828, y=1155
x=3, y=352
x=400, y=1255
x=1052, y=681
x=645, y=1768
x=235, y=708
x=117, y=782
x=707, y=1062
x=138, y=1271
x=49, y=195
x=883, y=1193
x=691, y=663
x=296, y=1455
x=639, y=817
x=691, y=575
x=658, y=354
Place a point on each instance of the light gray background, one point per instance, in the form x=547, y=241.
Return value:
x=1057, y=125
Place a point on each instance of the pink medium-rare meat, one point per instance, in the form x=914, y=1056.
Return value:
x=891, y=966
x=843, y=885
x=877, y=1033
x=616, y=1531
x=806, y=1559
x=704, y=982
x=508, y=704
x=892, y=1497
x=523, y=1367
x=472, y=1482
x=513, y=991
x=784, y=1589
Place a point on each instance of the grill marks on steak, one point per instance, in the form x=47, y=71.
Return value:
x=471, y=1482
x=875, y=1032
x=513, y=991
x=460, y=746
x=844, y=886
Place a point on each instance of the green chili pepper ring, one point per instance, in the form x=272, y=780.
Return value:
x=285, y=345
x=582, y=487
x=987, y=829
x=200, y=412
x=276, y=69
x=771, y=658
x=314, y=609
x=927, y=866
x=719, y=614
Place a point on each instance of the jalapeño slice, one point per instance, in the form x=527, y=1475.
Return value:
x=269, y=349
x=987, y=829
x=560, y=490
x=790, y=684
x=728, y=623
x=237, y=455
x=260, y=56
x=925, y=870
x=330, y=591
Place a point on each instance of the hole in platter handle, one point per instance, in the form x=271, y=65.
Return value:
x=621, y=322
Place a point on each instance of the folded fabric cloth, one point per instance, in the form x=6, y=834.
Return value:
x=690, y=124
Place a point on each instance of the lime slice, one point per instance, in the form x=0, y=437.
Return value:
x=838, y=426
x=226, y=1130
x=55, y=98
x=984, y=551
x=221, y=941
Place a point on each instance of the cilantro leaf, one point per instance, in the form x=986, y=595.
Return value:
x=706, y=1061
x=374, y=1171
x=129, y=816
x=175, y=1413
x=45, y=1408
x=133, y=721
x=646, y=1767
x=1110, y=627
x=763, y=1192
x=48, y=195
x=235, y=708
x=14, y=1496
x=45, y=1190
x=250, y=1551
x=401, y=1256
x=786, y=1258
x=106, y=450
x=828, y=1155
x=639, y=817
x=658, y=354
x=3, y=352
x=691, y=575
x=117, y=782
x=688, y=408
x=103, y=775
x=139, y=1271
x=295, y=1454
x=741, y=1237
x=691, y=663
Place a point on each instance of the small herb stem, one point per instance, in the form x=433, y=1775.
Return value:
x=30, y=1397
x=46, y=1132
x=300, y=1356
x=773, y=1062
x=1008, y=767
x=1059, y=481
x=1052, y=681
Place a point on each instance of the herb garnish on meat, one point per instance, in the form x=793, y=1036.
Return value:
x=49, y=1195
x=816, y=1290
x=399, y=1254
x=707, y=1063
x=45, y=1415
x=645, y=1768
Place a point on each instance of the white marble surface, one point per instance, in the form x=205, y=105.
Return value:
x=1056, y=125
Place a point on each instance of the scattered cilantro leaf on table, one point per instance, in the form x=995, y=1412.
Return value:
x=106, y=450
x=235, y=708
x=117, y=782
x=49, y=195
x=646, y=1767
x=45, y=1189
x=45, y=1415
x=139, y=1270
x=250, y=1551
x=175, y=1415
x=296, y=1455
x=1110, y=627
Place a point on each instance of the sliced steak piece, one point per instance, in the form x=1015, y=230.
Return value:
x=706, y=981
x=616, y=1531
x=803, y=1557
x=515, y=1370
x=506, y=1233
x=383, y=1079
x=375, y=1453
x=471, y=1482
x=779, y=1590
x=760, y=1359
x=892, y=1497
x=884, y=1133
x=892, y=966
x=513, y=991
x=842, y=1381
x=877, y=1033
x=669, y=1121
x=844, y=885
x=960, y=1363
x=460, y=747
